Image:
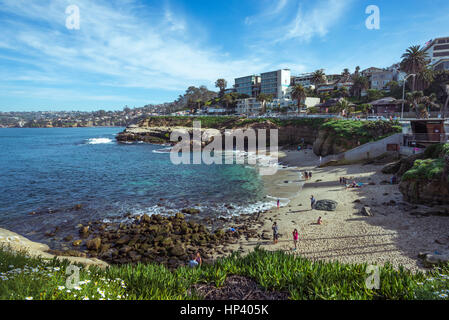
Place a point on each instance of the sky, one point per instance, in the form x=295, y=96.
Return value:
x=137, y=52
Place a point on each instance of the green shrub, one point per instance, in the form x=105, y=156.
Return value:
x=425, y=169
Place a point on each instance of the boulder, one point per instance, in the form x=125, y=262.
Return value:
x=94, y=244
x=191, y=211
x=326, y=205
x=177, y=251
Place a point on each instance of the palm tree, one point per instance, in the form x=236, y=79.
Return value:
x=414, y=61
x=425, y=78
x=419, y=102
x=346, y=74
x=263, y=98
x=360, y=83
x=299, y=94
x=318, y=77
x=343, y=105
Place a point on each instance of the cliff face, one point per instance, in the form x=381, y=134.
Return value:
x=326, y=136
x=426, y=180
x=158, y=130
x=424, y=191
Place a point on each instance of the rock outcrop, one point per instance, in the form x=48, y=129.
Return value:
x=326, y=205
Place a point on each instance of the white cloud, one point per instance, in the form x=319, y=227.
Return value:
x=316, y=21
x=127, y=48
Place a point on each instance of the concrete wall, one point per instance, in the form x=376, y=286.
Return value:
x=366, y=151
x=372, y=149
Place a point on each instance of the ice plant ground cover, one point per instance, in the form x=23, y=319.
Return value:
x=25, y=278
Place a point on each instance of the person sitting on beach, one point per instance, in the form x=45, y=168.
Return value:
x=295, y=238
x=320, y=221
x=275, y=232
x=194, y=262
x=198, y=259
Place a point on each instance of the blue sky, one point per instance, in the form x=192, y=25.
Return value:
x=135, y=52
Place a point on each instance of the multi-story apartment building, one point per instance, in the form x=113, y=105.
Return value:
x=304, y=80
x=276, y=83
x=249, y=85
x=380, y=78
x=438, y=52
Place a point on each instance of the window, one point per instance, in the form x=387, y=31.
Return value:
x=441, y=54
x=442, y=47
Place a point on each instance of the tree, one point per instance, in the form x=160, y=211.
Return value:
x=364, y=108
x=343, y=106
x=299, y=94
x=222, y=85
x=228, y=100
x=419, y=102
x=374, y=94
x=395, y=89
x=264, y=98
x=346, y=74
x=360, y=83
x=414, y=61
x=318, y=77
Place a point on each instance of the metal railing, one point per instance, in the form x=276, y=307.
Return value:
x=426, y=137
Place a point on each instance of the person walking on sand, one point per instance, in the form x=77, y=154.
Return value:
x=275, y=232
x=295, y=238
x=279, y=203
x=310, y=175
x=306, y=175
x=312, y=202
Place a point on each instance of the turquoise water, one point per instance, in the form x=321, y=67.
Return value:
x=49, y=171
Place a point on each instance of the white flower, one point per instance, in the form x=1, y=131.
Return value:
x=29, y=298
x=61, y=288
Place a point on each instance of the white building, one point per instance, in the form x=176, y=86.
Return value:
x=276, y=83
x=248, y=106
x=438, y=52
x=304, y=80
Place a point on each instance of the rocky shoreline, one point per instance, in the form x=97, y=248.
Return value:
x=169, y=240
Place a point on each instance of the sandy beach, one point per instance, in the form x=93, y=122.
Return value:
x=391, y=235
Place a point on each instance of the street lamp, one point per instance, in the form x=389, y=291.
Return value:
x=403, y=93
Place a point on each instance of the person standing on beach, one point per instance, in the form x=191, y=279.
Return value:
x=306, y=175
x=310, y=175
x=279, y=203
x=275, y=232
x=295, y=238
x=312, y=202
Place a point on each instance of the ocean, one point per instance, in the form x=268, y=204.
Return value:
x=50, y=171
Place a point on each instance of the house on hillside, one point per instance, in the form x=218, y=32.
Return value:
x=387, y=106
